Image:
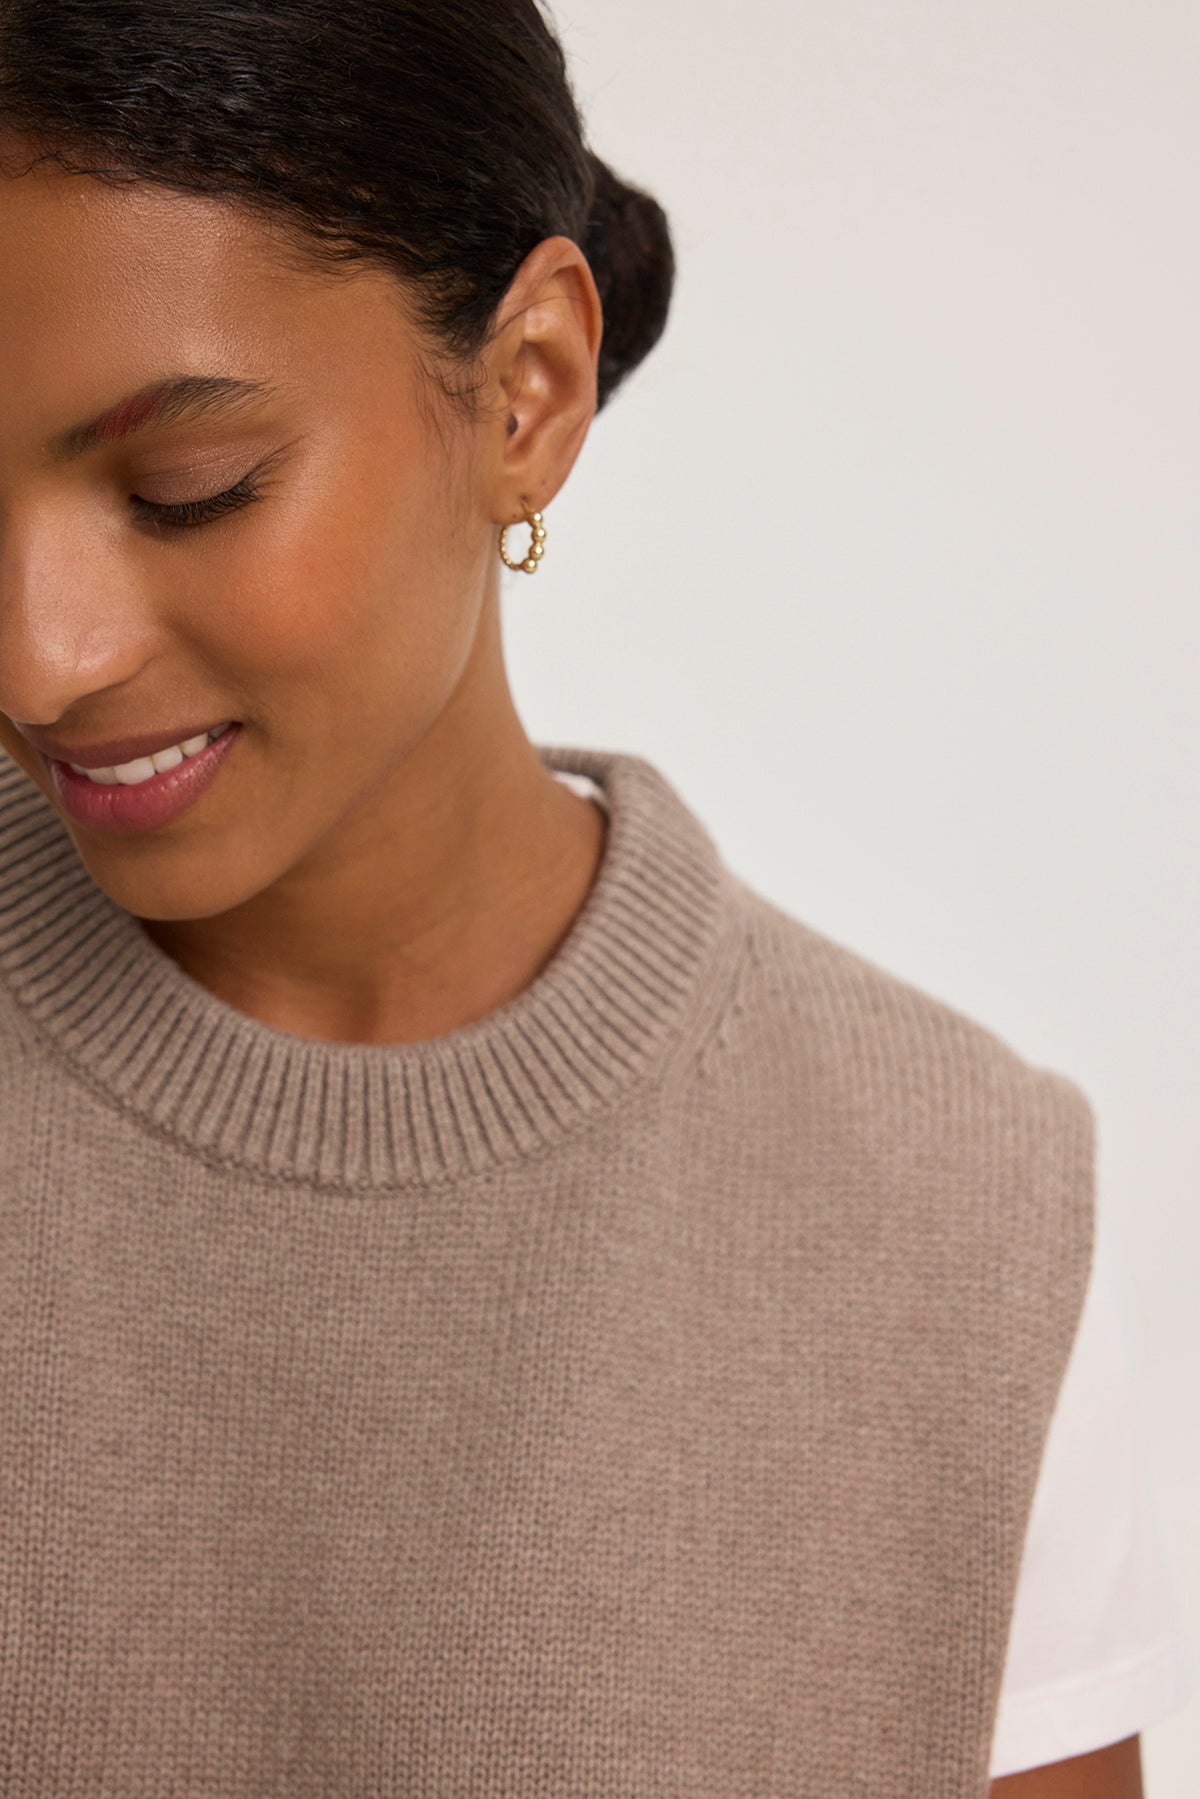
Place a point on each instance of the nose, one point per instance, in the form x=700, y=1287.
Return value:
x=69, y=627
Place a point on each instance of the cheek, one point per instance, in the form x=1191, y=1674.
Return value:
x=350, y=590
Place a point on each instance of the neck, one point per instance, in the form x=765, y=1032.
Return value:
x=437, y=902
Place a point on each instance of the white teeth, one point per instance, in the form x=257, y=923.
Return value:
x=132, y=774
x=144, y=768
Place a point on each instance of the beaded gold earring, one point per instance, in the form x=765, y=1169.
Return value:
x=537, y=547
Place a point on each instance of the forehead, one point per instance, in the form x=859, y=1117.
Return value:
x=102, y=289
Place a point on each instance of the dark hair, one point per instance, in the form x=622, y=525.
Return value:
x=437, y=139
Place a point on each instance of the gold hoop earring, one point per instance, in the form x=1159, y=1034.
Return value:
x=537, y=547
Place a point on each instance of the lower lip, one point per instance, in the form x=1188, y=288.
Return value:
x=157, y=801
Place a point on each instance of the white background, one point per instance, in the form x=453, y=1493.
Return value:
x=888, y=556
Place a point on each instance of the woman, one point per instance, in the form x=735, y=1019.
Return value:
x=492, y=1304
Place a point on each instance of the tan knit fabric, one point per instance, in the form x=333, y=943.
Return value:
x=636, y=1395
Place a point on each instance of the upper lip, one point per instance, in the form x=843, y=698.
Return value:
x=115, y=750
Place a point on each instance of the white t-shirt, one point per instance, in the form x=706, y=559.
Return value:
x=1097, y=1649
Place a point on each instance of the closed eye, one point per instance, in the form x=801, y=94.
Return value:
x=190, y=513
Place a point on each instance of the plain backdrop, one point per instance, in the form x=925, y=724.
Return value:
x=888, y=555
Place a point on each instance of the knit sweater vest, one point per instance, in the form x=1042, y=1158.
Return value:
x=638, y=1393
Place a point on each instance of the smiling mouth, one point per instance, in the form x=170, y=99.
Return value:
x=153, y=798
x=161, y=762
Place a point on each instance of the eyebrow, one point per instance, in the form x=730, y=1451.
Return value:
x=164, y=402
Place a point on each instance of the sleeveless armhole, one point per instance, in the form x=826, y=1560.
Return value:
x=1097, y=1649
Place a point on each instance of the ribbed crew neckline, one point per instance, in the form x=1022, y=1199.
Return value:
x=598, y=1018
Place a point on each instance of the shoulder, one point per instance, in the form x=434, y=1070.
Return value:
x=834, y=1024
x=872, y=1111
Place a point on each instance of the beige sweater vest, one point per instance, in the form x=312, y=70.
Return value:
x=638, y=1394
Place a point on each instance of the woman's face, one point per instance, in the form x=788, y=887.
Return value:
x=335, y=616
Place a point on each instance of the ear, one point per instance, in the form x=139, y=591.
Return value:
x=543, y=362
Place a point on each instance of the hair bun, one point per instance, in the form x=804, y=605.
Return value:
x=629, y=249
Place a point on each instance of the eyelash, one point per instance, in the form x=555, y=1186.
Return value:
x=191, y=513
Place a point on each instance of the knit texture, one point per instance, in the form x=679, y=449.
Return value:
x=637, y=1394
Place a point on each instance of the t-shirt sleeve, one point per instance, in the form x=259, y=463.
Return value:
x=1097, y=1648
